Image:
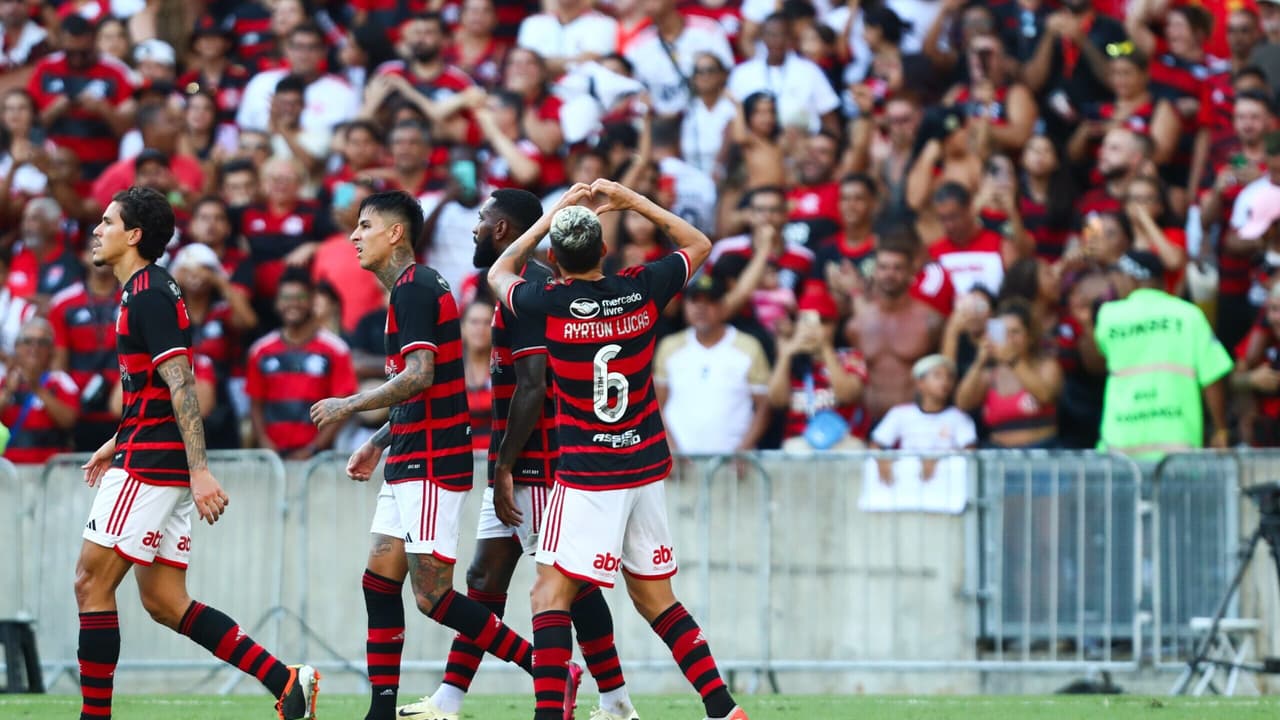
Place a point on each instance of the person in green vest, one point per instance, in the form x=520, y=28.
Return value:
x=1164, y=367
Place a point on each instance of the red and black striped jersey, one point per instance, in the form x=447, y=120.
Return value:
x=35, y=437
x=288, y=379
x=272, y=236
x=85, y=326
x=251, y=23
x=83, y=131
x=600, y=337
x=1173, y=78
x=513, y=340
x=430, y=432
x=152, y=327
x=227, y=92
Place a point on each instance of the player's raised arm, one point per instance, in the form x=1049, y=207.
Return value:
x=505, y=273
x=691, y=240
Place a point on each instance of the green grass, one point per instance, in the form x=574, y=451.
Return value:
x=794, y=707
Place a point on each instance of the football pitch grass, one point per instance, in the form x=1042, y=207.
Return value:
x=656, y=707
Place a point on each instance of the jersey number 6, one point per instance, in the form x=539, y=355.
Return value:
x=603, y=381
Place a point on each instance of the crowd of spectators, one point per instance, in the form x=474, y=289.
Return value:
x=916, y=204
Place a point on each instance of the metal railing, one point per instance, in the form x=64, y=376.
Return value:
x=1051, y=562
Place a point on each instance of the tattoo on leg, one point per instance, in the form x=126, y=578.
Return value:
x=431, y=579
x=381, y=546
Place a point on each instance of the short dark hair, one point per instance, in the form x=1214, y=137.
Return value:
x=1258, y=97
x=149, y=113
x=402, y=207
x=235, y=166
x=292, y=83
x=1200, y=20
x=432, y=17
x=864, y=180
x=520, y=207
x=902, y=240
x=368, y=126
x=421, y=128
x=210, y=200
x=298, y=276
x=76, y=25
x=307, y=27
x=953, y=191
x=763, y=190
x=665, y=132
x=148, y=210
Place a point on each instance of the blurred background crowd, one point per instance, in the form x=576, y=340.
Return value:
x=915, y=203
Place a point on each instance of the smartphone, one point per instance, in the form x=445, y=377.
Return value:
x=995, y=331
x=464, y=173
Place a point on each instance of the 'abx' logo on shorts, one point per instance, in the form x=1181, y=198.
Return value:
x=607, y=562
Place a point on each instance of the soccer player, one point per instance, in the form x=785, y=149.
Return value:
x=154, y=473
x=428, y=472
x=608, y=508
x=522, y=454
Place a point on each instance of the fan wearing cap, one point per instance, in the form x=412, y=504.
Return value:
x=929, y=424
x=812, y=378
x=1162, y=362
x=711, y=379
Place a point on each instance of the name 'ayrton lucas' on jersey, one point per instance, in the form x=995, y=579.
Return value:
x=606, y=318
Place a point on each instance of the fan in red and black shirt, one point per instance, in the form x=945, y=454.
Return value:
x=85, y=101
x=213, y=71
x=429, y=470
x=38, y=404
x=84, y=337
x=510, y=159
x=290, y=369
x=607, y=511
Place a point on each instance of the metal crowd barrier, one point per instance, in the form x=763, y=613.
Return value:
x=255, y=483
x=1049, y=562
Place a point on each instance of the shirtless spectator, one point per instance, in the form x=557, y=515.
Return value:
x=893, y=329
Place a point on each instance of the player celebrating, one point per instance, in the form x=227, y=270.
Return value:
x=428, y=472
x=521, y=461
x=153, y=473
x=608, y=509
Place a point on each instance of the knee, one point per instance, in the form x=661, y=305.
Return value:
x=426, y=600
x=650, y=602
x=551, y=593
x=165, y=608
x=479, y=578
x=87, y=587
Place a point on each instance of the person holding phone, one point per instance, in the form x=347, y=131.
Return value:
x=1013, y=382
x=1000, y=110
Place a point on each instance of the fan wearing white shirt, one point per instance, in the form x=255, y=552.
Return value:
x=329, y=100
x=571, y=34
x=931, y=423
x=805, y=96
x=664, y=53
x=706, y=120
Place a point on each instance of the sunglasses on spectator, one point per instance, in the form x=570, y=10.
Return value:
x=1239, y=29
x=707, y=69
x=41, y=341
x=254, y=147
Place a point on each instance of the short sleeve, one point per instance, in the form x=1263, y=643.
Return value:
x=527, y=338
x=886, y=434
x=966, y=431
x=253, y=384
x=667, y=277
x=64, y=388
x=203, y=369
x=416, y=309
x=58, y=319
x=662, y=356
x=526, y=300
x=1213, y=362
x=154, y=319
x=35, y=86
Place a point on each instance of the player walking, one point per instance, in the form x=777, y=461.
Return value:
x=608, y=509
x=522, y=452
x=153, y=473
x=428, y=472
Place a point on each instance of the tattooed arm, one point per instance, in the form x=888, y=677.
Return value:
x=209, y=498
x=419, y=373
x=176, y=372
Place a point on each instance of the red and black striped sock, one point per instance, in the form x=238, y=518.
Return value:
x=465, y=655
x=220, y=635
x=594, y=625
x=678, y=630
x=98, y=654
x=487, y=630
x=385, y=643
x=553, y=648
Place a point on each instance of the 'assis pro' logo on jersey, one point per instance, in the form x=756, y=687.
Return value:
x=584, y=308
x=627, y=439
